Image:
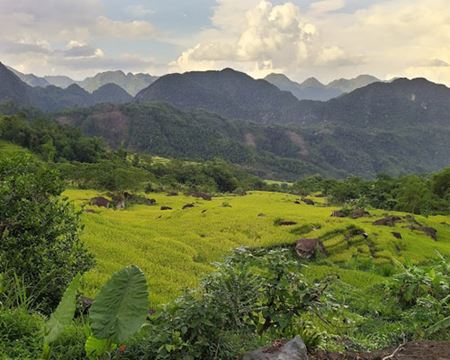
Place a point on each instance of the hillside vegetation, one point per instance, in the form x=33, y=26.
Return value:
x=276, y=152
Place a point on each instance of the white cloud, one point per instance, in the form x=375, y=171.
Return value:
x=138, y=10
x=123, y=29
x=325, y=6
x=334, y=56
x=269, y=38
x=438, y=63
x=32, y=33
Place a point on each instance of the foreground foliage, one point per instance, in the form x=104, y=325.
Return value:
x=39, y=232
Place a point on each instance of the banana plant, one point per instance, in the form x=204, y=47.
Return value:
x=118, y=312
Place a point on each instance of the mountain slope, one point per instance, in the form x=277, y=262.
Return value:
x=53, y=98
x=229, y=93
x=12, y=88
x=30, y=79
x=400, y=104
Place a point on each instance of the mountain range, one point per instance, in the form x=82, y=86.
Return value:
x=313, y=89
x=310, y=89
x=394, y=127
x=131, y=83
x=53, y=98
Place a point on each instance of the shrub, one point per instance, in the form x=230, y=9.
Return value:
x=20, y=334
x=257, y=293
x=39, y=232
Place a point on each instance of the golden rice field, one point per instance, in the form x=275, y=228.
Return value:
x=175, y=248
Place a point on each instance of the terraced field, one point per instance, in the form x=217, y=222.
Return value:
x=175, y=248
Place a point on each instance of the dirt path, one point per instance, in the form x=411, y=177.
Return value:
x=423, y=350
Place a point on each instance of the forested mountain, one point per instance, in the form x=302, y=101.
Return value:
x=111, y=93
x=229, y=93
x=312, y=89
x=267, y=150
x=401, y=104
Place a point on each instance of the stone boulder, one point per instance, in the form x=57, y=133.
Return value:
x=292, y=350
x=201, y=195
x=308, y=201
x=307, y=248
x=285, y=223
x=119, y=200
x=339, y=213
x=429, y=231
x=100, y=202
x=359, y=213
x=387, y=221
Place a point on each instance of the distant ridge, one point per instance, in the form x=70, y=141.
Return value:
x=131, y=83
x=30, y=79
x=313, y=89
x=53, y=98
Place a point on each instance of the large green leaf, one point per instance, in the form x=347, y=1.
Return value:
x=63, y=315
x=95, y=348
x=120, y=308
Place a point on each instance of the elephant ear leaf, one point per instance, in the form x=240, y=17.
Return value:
x=120, y=308
x=62, y=317
x=95, y=348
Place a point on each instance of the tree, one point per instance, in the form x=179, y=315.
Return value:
x=414, y=196
x=39, y=231
x=441, y=184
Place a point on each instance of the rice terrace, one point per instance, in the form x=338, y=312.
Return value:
x=175, y=248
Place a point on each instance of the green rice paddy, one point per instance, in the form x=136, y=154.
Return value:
x=176, y=248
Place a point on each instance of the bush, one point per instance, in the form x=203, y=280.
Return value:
x=39, y=232
x=256, y=293
x=70, y=345
x=20, y=334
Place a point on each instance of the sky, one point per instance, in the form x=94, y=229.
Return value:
x=327, y=39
